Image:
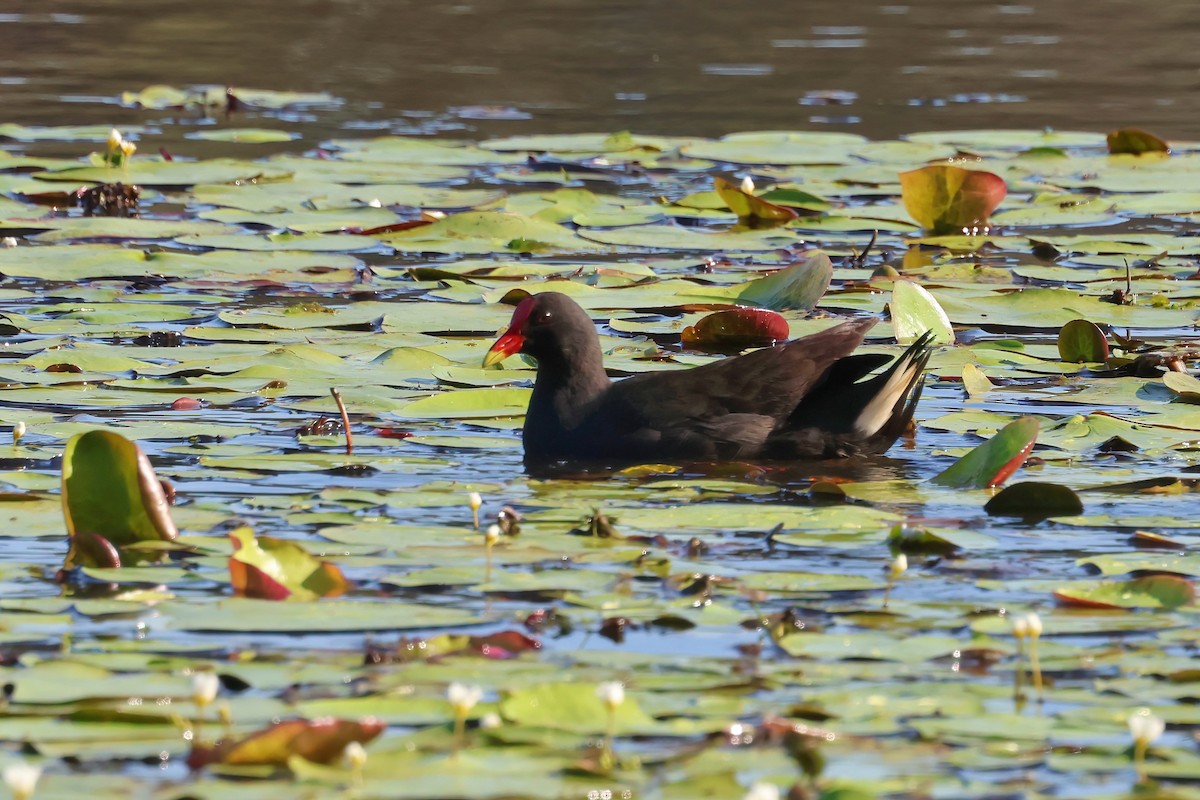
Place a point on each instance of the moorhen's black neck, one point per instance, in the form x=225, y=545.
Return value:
x=570, y=376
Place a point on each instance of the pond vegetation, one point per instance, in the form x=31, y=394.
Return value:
x=1001, y=605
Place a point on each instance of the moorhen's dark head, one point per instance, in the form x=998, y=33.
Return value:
x=552, y=328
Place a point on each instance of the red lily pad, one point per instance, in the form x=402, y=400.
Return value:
x=945, y=199
x=275, y=569
x=1082, y=341
x=1133, y=141
x=110, y=492
x=1153, y=591
x=321, y=741
x=991, y=463
x=751, y=209
x=736, y=328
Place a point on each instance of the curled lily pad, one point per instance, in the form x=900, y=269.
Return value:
x=1186, y=386
x=749, y=208
x=320, y=741
x=1034, y=500
x=736, y=328
x=915, y=311
x=1080, y=341
x=109, y=490
x=1154, y=591
x=275, y=569
x=1135, y=142
x=948, y=199
x=991, y=463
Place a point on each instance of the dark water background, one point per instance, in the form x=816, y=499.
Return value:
x=653, y=66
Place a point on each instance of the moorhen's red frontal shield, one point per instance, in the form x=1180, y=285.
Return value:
x=807, y=399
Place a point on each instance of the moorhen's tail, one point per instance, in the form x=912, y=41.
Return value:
x=848, y=416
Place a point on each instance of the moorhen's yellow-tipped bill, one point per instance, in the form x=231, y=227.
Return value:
x=513, y=339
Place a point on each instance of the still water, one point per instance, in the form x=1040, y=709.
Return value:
x=499, y=67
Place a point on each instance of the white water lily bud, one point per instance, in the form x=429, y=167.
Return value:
x=490, y=721
x=205, y=686
x=9, y=241
x=899, y=566
x=1035, y=625
x=1144, y=727
x=18, y=431
x=114, y=140
x=748, y=185
x=611, y=693
x=375, y=203
x=474, y=501
x=1020, y=626
x=763, y=791
x=463, y=697
x=491, y=535
x=355, y=755
x=21, y=779
x=128, y=148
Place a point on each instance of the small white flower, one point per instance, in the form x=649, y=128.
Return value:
x=375, y=203
x=1144, y=727
x=463, y=697
x=490, y=721
x=205, y=686
x=748, y=185
x=128, y=148
x=899, y=566
x=9, y=241
x=115, y=139
x=611, y=693
x=1035, y=625
x=355, y=755
x=491, y=535
x=474, y=501
x=18, y=431
x=762, y=791
x=21, y=779
x=1020, y=626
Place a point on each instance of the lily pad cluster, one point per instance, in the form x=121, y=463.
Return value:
x=740, y=606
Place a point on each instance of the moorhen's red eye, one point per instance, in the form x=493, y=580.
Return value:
x=541, y=318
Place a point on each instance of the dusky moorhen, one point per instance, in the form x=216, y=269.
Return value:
x=805, y=399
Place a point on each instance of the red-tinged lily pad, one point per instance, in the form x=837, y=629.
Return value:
x=1153, y=591
x=736, y=328
x=110, y=492
x=991, y=463
x=275, y=569
x=750, y=209
x=1033, y=500
x=1133, y=141
x=1082, y=341
x=321, y=741
x=945, y=199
